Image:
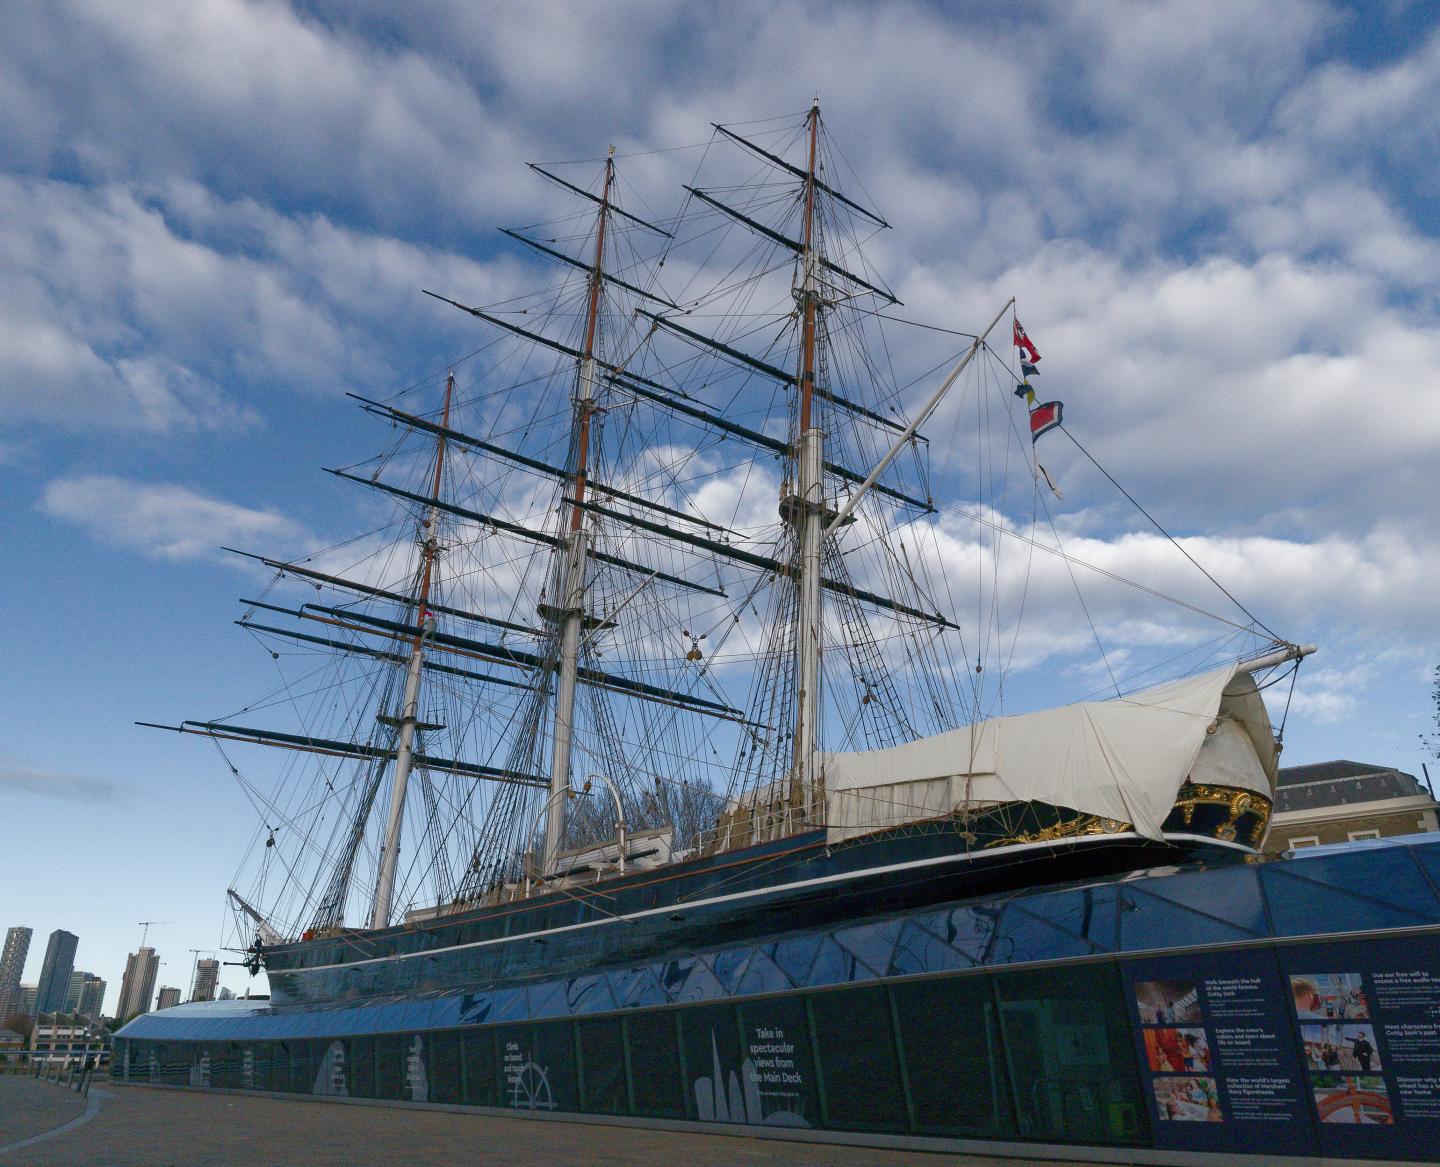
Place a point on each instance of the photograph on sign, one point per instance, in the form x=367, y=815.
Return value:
x=1167, y=1002
x=1330, y=997
x=1188, y=1099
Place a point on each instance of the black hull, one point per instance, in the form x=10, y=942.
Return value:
x=791, y=883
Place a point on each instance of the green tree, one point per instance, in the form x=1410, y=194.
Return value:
x=1431, y=741
x=21, y=1023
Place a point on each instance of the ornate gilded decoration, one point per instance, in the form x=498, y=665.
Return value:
x=1239, y=803
x=1247, y=811
x=1085, y=824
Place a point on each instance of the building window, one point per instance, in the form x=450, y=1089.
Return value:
x=1354, y=835
x=1304, y=841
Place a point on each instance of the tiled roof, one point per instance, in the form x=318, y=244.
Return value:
x=1340, y=783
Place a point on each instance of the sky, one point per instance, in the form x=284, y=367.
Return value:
x=1221, y=221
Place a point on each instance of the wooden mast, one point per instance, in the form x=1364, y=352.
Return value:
x=570, y=602
x=806, y=512
x=410, y=705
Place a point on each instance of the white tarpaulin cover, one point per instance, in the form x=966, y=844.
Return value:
x=1122, y=759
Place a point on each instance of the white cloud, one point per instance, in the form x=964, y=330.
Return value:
x=16, y=778
x=162, y=520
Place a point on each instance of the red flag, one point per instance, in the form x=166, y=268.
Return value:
x=1024, y=342
x=1044, y=418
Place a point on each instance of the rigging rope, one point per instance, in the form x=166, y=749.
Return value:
x=1156, y=524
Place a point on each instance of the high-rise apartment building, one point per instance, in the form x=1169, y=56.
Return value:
x=12, y=968
x=27, y=1001
x=55, y=972
x=85, y=996
x=207, y=976
x=137, y=989
x=169, y=997
x=92, y=999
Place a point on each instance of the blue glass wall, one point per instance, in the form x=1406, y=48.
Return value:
x=1014, y=1018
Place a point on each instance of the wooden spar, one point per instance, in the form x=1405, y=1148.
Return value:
x=365, y=589
x=338, y=749
x=563, y=258
x=521, y=531
x=798, y=173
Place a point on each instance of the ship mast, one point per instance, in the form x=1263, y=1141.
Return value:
x=409, y=709
x=574, y=550
x=806, y=512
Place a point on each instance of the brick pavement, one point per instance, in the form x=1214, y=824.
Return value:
x=139, y=1127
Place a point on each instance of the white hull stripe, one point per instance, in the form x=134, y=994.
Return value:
x=820, y=881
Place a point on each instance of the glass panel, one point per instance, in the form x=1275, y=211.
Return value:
x=391, y=1054
x=1072, y=1065
x=602, y=1066
x=777, y=1072
x=971, y=931
x=475, y=1008
x=673, y=974
x=655, y=1065
x=729, y=965
x=699, y=984
x=1427, y=855
x=508, y=1005
x=856, y=1043
x=918, y=950
x=479, y=1086
x=1148, y=921
x=950, y=1041
x=835, y=966
x=442, y=1067
x=1087, y=913
x=1231, y=893
x=1024, y=937
x=795, y=955
x=1373, y=887
x=762, y=975
x=636, y=987
x=547, y=999
x=711, y=1048
x=871, y=945
x=589, y=994
x=261, y=1076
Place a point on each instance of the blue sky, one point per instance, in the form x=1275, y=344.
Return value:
x=1220, y=219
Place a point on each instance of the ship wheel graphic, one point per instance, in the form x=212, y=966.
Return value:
x=531, y=1089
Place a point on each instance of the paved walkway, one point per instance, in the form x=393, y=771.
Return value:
x=139, y=1127
x=29, y=1107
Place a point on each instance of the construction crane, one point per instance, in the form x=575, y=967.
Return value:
x=145, y=928
x=195, y=954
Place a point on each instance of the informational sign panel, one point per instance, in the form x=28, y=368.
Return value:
x=1217, y=1054
x=1329, y=1048
x=1367, y=1015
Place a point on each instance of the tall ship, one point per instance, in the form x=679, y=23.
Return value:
x=684, y=628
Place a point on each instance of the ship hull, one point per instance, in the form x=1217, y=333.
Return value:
x=798, y=881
